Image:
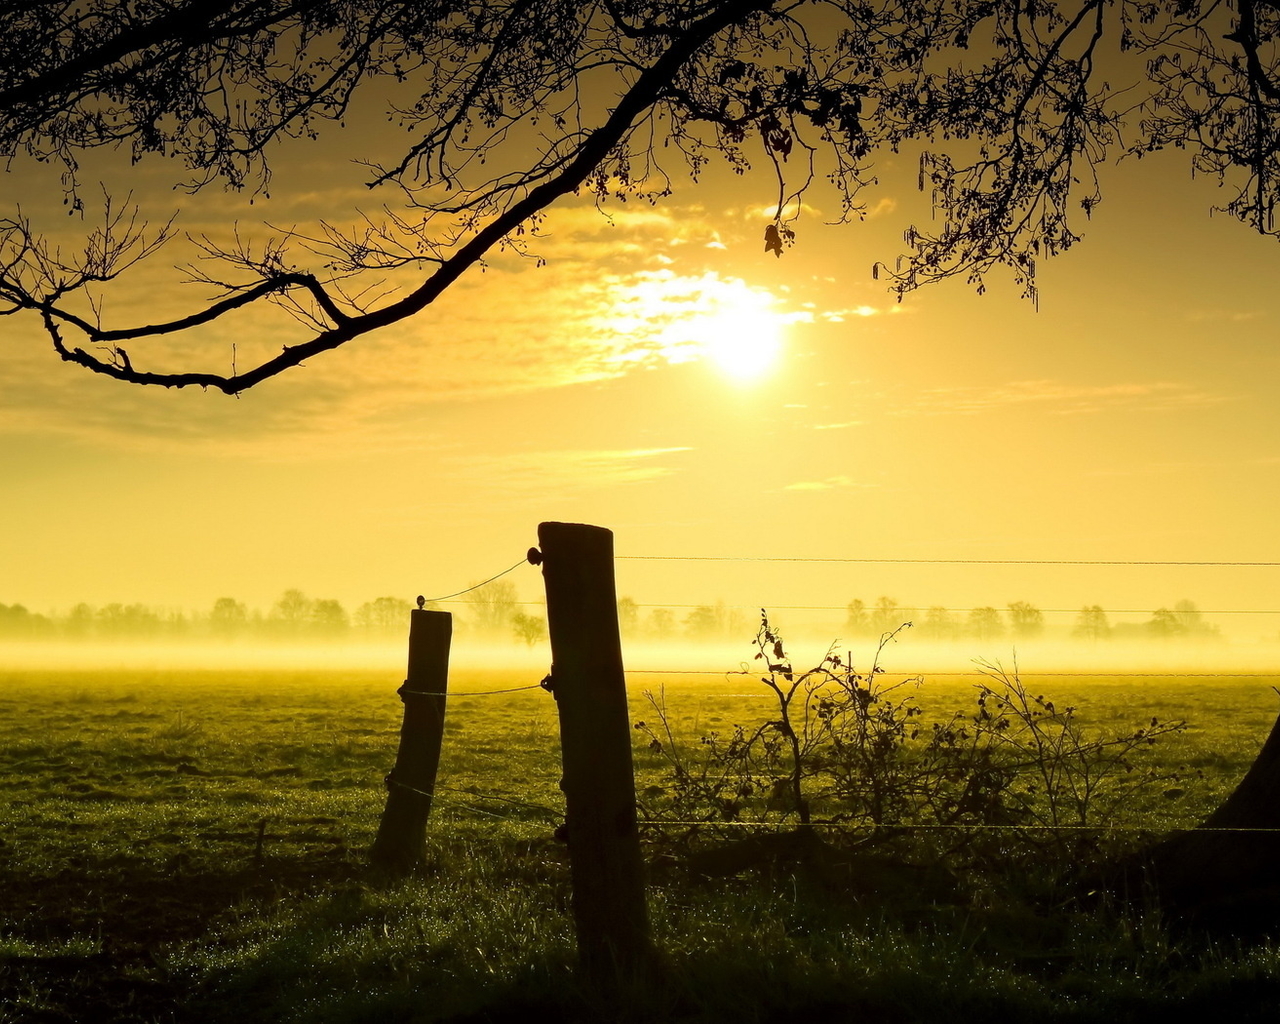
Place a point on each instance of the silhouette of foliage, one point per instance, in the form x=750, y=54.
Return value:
x=17, y=620
x=844, y=747
x=228, y=617
x=529, y=629
x=1025, y=620
x=386, y=615
x=508, y=107
x=493, y=606
x=985, y=624
x=1092, y=624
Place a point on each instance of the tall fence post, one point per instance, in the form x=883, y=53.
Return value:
x=595, y=737
x=400, y=847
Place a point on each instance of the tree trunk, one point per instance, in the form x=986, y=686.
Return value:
x=1222, y=875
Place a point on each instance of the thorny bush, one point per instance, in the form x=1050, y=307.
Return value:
x=1012, y=780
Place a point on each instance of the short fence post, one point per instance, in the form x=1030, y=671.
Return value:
x=400, y=847
x=595, y=736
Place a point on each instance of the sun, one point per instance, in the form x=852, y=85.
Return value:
x=744, y=343
x=662, y=317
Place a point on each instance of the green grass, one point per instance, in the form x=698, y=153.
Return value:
x=190, y=846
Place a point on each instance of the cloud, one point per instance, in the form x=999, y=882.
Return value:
x=837, y=426
x=507, y=331
x=1059, y=398
x=839, y=316
x=1235, y=316
x=603, y=306
x=831, y=483
x=768, y=211
x=882, y=206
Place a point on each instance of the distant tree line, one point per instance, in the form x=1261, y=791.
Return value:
x=1019, y=620
x=1022, y=620
x=490, y=611
x=703, y=622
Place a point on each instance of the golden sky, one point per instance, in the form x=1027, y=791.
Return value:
x=665, y=377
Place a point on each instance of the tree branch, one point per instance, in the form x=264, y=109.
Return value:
x=648, y=88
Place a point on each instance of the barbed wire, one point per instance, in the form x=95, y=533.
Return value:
x=939, y=608
x=541, y=808
x=937, y=826
x=941, y=561
x=1098, y=674
x=557, y=815
x=490, y=693
x=850, y=826
x=844, y=608
x=497, y=576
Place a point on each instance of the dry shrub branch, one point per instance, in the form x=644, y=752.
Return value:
x=1012, y=781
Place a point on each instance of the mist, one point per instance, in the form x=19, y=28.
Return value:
x=493, y=629
x=905, y=655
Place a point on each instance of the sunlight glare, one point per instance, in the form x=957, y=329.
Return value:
x=744, y=343
x=737, y=327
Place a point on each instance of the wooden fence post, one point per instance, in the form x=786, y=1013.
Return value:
x=595, y=736
x=400, y=847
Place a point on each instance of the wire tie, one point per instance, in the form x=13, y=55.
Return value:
x=405, y=693
x=394, y=783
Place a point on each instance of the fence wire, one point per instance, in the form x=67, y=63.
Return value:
x=477, y=586
x=941, y=561
x=452, y=797
x=852, y=826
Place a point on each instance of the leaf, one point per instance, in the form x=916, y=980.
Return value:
x=772, y=240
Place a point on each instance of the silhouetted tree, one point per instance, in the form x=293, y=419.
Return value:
x=511, y=105
x=985, y=624
x=329, y=618
x=628, y=616
x=713, y=621
x=134, y=620
x=856, y=620
x=662, y=624
x=939, y=624
x=291, y=614
x=228, y=617
x=531, y=629
x=1164, y=625
x=1183, y=621
x=1026, y=620
x=1092, y=624
x=1191, y=619
x=385, y=615
x=702, y=623
x=79, y=621
x=492, y=606
x=886, y=616
x=17, y=621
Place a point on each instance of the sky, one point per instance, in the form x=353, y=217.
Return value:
x=665, y=377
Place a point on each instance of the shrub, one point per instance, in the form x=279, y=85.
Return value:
x=859, y=760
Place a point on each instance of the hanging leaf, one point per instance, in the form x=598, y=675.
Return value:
x=772, y=240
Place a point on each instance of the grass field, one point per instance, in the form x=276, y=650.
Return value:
x=190, y=846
